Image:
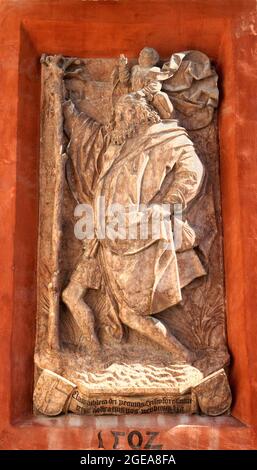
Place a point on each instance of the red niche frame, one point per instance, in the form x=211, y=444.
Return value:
x=226, y=31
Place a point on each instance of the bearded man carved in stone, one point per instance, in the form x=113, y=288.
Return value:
x=138, y=159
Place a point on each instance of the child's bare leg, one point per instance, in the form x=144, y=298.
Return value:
x=163, y=105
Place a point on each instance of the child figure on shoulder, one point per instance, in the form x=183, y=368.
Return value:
x=146, y=79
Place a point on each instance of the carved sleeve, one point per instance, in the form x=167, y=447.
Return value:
x=85, y=150
x=72, y=117
x=187, y=177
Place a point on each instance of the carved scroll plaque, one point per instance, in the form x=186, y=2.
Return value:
x=131, y=315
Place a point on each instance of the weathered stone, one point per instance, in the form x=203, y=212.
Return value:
x=113, y=307
x=52, y=393
x=213, y=394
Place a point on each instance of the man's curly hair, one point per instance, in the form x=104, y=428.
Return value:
x=144, y=116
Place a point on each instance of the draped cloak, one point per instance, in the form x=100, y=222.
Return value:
x=145, y=275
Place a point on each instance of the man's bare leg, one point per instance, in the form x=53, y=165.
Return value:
x=156, y=331
x=73, y=296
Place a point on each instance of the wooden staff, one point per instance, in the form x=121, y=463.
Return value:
x=52, y=168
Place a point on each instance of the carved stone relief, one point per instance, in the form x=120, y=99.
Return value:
x=131, y=314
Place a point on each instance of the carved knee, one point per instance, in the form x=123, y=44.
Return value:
x=71, y=294
x=66, y=295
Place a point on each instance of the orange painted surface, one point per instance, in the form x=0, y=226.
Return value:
x=226, y=31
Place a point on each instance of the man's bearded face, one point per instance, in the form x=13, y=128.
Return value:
x=129, y=117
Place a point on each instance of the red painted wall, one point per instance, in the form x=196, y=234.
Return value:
x=225, y=30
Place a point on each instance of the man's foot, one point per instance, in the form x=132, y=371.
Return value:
x=94, y=345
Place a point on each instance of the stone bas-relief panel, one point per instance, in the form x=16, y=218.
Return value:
x=131, y=315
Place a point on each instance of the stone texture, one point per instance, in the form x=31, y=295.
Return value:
x=122, y=389
x=171, y=310
x=213, y=394
x=27, y=30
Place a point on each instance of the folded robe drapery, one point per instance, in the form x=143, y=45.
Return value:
x=132, y=174
x=192, y=88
